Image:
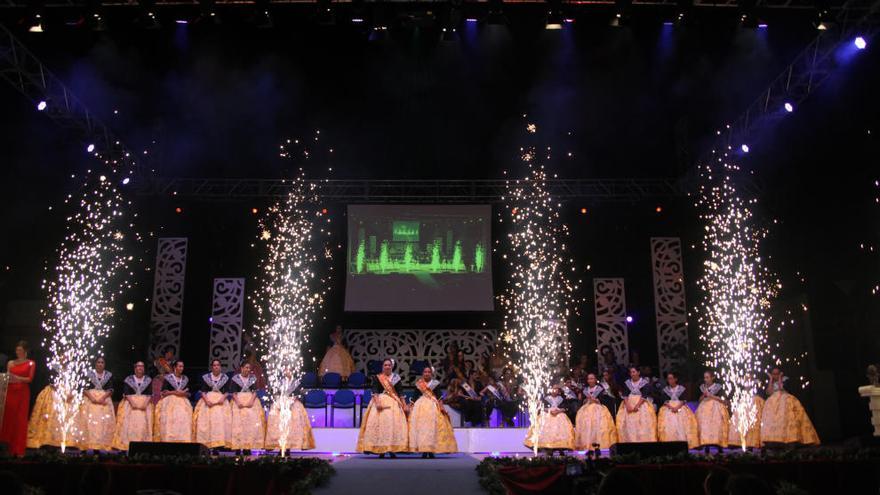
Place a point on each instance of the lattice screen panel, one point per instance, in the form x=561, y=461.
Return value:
x=226, y=322
x=669, y=302
x=167, y=305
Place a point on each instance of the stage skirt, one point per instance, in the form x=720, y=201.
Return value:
x=785, y=421
x=248, y=429
x=557, y=433
x=44, y=428
x=594, y=424
x=678, y=426
x=753, y=437
x=713, y=421
x=173, y=420
x=99, y=421
x=383, y=431
x=337, y=360
x=133, y=425
x=211, y=425
x=429, y=429
x=299, y=436
x=640, y=426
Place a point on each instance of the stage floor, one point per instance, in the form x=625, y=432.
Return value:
x=470, y=440
x=406, y=475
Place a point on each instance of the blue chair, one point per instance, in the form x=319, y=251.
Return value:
x=417, y=367
x=331, y=380
x=316, y=399
x=365, y=401
x=374, y=367
x=357, y=380
x=309, y=380
x=343, y=399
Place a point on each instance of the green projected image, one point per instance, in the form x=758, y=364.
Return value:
x=419, y=258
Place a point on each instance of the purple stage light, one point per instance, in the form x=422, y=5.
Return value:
x=471, y=19
x=357, y=20
x=745, y=148
x=182, y=21
x=42, y=105
x=629, y=319
x=762, y=26
x=860, y=43
x=90, y=148
x=788, y=107
x=667, y=23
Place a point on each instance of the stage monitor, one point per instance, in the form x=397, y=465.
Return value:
x=419, y=258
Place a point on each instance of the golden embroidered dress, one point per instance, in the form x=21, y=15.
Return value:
x=248, y=429
x=386, y=430
x=430, y=430
x=785, y=421
x=212, y=425
x=753, y=436
x=593, y=423
x=712, y=417
x=337, y=360
x=44, y=428
x=134, y=416
x=299, y=435
x=557, y=432
x=676, y=422
x=173, y=415
x=639, y=426
x=98, y=418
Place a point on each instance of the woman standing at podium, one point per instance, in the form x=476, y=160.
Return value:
x=212, y=419
x=712, y=415
x=18, y=398
x=383, y=426
x=430, y=431
x=636, y=419
x=299, y=433
x=134, y=416
x=97, y=409
x=593, y=423
x=248, y=430
x=784, y=419
x=676, y=422
x=174, y=413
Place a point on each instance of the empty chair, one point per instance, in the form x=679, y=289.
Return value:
x=365, y=401
x=316, y=399
x=332, y=380
x=357, y=380
x=342, y=399
x=309, y=380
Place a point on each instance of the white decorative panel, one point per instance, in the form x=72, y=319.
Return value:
x=167, y=310
x=669, y=302
x=610, y=304
x=226, y=321
x=406, y=346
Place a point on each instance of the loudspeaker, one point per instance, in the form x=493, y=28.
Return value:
x=650, y=449
x=167, y=448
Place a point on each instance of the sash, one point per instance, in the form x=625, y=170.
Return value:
x=494, y=392
x=138, y=389
x=467, y=388
x=99, y=382
x=389, y=389
x=425, y=389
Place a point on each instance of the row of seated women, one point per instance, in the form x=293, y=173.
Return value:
x=781, y=418
x=227, y=415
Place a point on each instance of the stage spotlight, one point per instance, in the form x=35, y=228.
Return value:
x=659, y=209
x=324, y=15
x=823, y=17
x=42, y=105
x=129, y=306
x=621, y=15
x=254, y=211
x=36, y=24
x=90, y=148
x=554, y=15
x=744, y=148
x=125, y=181
x=788, y=107
x=449, y=35
x=178, y=210
x=629, y=319
x=583, y=211
x=860, y=43
x=496, y=15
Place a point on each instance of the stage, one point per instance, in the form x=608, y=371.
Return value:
x=470, y=440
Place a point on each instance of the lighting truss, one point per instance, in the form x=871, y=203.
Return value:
x=769, y=4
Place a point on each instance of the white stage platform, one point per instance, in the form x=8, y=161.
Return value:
x=470, y=440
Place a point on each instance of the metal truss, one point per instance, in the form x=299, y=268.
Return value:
x=576, y=4
x=801, y=78
x=21, y=68
x=418, y=191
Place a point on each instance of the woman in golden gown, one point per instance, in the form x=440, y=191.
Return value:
x=97, y=409
x=556, y=433
x=676, y=422
x=337, y=359
x=134, y=416
x=752, y=438
x=173, y=416
x=712, y=416
x=784, y=419
x=430, y=431
x=594, y=424
x=636, y=419
x=44, y=427
x=248, y=429
x=212, y=419
x=299, y=434
x=383, y=426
